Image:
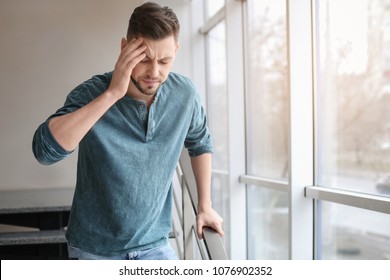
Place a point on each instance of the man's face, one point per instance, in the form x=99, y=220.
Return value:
x=148, y=75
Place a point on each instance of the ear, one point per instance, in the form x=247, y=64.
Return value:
x=123, y=43
x=177, y=47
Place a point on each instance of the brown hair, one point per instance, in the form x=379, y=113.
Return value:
x=152, y=21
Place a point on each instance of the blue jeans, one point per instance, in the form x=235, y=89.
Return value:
x=164, y=252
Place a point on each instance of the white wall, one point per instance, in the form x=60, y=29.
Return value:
x=47, y=47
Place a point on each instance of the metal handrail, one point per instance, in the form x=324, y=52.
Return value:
x=211, y=246
x=350, y=198
x=277, y=185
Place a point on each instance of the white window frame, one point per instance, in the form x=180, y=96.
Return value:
x=300, y=56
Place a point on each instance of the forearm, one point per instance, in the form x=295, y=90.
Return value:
x=69, y=129
x=201, y=166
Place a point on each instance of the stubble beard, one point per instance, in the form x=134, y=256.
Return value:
x=142, y=90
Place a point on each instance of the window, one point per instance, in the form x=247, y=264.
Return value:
x=267, y=94
x=268, y=224
x=352, y=233
x=317, y=93
x=267, y=127
x=353, y=123
x=217, y=95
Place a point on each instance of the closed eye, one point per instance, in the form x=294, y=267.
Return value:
x=161, y=61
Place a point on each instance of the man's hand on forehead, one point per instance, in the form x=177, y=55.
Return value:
x=150, y=51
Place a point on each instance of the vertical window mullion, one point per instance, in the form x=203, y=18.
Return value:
x=301, y=127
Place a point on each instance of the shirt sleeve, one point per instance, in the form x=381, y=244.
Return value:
x=198, y=140
x=45, y=147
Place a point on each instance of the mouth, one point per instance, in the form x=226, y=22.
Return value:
x=150, y=83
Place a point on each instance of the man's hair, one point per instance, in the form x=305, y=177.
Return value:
x=152, y=21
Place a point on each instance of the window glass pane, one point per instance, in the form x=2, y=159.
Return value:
x=354, y=95
x=268, y=226
x=267, y=90
x=353, y=233
x=217, y=95
x=217, y=117
x=213, y=6
x=353, y=124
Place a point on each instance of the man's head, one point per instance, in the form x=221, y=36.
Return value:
x=159, y=28
x=153, y=22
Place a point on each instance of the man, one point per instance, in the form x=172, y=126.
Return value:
x=130, y=126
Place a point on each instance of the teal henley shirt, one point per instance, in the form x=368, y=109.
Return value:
x=123, y=195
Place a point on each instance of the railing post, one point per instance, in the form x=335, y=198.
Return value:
x=188, y=239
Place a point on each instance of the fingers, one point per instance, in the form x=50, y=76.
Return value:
x=219, y=229
x=214, y=222
x=131, y=54
x=215, y=227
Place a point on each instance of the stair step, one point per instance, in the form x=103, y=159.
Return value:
x=32, y=237
x=39, y=237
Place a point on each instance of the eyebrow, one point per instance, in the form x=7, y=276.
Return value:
x=161, y=59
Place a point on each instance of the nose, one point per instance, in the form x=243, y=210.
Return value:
x=153, y=69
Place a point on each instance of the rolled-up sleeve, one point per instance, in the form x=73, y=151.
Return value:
x=45, y=147
x=198, y=140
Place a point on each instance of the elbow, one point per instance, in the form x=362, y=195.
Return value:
x=40, y=152
x=45, y=148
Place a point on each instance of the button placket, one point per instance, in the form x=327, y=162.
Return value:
x=142, y=112
x=151, y=122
